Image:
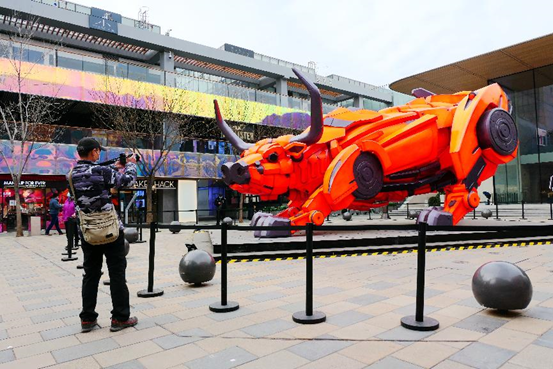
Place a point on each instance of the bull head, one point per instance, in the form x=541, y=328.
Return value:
x=265, y=167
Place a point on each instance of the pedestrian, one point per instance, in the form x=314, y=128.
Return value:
x=54, y=210
x=91, y=184
x=219, y=204
x=70, y=221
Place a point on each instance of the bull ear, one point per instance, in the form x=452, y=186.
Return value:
x=295, y=149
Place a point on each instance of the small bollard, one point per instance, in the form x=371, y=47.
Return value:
x=309, y=316
x=551, y=211
x=69, y=253
x=419, y=322
x=151, y=291
x=407, y=213
x=474, y=214
x=522, y=202
x=224, y=306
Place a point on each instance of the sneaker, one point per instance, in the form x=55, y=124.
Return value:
x=88, y=326
x=117, y=325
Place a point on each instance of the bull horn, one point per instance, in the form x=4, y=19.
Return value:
x=228, y=132
x=316, y=130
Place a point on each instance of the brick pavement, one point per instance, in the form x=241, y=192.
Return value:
x=363, y=298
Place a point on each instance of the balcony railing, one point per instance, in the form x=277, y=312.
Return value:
x=77, y=8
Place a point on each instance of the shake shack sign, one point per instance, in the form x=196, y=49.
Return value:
x=159, y=184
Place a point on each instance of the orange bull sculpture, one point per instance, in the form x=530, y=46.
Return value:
x=362, y=159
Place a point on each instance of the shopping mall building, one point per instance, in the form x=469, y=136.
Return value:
x=74, y=49
x=525, y=72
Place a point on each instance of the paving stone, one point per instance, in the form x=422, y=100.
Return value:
x=327, y=291
x=535, y=357
x=298, y=306
x=133, y=364
x=392, y=363
x=228, y=358
x=428, y=293
x=268, y=328
x=196, y=332
x=127, y=353
x=316, y=349
x=539, y=312
x=230, y=315
x=46, y=304
x=481, y=323
x=143, y=306
x=470, y=302
x=482, y=356
x=381, y=285
x=267, y=296
x=411, y=309
x=545, y=340
x=85, y=349
x=278, y=360
x=201, y=302
x=292, y=284
x=334, y=361
x=366, y=299
x=403, y=334
x=54, y=333
x=173, y=340
x=347, y=318
x=3, y=334
x=54, y=316
x=6, y=356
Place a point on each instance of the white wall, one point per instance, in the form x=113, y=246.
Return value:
x=188, y=199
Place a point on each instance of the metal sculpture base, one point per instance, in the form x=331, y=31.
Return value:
x=302, y=318
x=146, y=294
x=69, y=258
x=427, y=324
x=217, y=307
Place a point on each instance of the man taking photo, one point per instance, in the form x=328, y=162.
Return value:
x=91, y=184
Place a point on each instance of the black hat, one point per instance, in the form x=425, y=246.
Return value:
x=88, y=144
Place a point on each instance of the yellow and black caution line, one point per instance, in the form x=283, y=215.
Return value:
x=337, y=254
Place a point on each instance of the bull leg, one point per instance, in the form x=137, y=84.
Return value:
x=459, y=202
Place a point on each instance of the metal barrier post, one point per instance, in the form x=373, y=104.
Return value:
x=151, y=291
x=522, y=202
x=407, y=214
x=69, y=252
x=225, y=306
x=551, y=211
x=309, y=316
x=474, y=214
x=496, y=211
x=419, y=322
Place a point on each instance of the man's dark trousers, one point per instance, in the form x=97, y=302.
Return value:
x=54, y=222
x=71, y=232
x=117, y=264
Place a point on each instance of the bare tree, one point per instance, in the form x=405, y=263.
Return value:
x=148, y=122
x=25, y=118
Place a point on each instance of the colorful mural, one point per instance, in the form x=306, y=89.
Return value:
x=82, y=86
x=58, y=159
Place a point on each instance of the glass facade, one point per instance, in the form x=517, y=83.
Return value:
x=527, y=178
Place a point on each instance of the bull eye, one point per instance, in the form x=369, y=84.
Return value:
x=273, y=158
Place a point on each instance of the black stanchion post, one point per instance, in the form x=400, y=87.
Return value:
x=551, y=211
x=309, y=316
x=407, y=214
x=474, y=214
x=522, y=202
x=151, y=291
x=225, y=306
x=419, y=322
x=496, y=211
x=197, y=218
x=69, y=252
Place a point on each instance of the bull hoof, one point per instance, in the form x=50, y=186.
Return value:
x=269, y=220
x=435, y=216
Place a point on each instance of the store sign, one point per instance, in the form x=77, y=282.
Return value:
x=25, y=184
x=104, y=20
x=159, y=184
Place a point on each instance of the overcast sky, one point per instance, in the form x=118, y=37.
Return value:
x=376, y=42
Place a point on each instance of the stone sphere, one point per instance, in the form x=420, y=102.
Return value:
x=347, y=216
x=228, y=221
x=486, y=213
x=501, y=285
x=174, y=229
x=131, y=234
x=197, y=266
x=127, y=247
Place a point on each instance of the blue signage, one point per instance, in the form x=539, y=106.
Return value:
x=104, y=20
